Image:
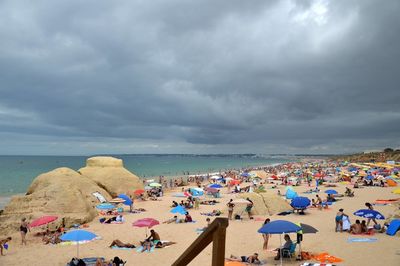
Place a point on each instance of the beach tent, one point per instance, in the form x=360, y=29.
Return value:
x=394, y=226
x=196, y=192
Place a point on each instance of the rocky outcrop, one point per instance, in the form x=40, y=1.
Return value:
x=110, y=174
x=267, y=203
x=62, y=192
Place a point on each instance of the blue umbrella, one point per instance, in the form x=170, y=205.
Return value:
x=367, y=213
x=370, y=177
x=128, y=201
x=331, y=191
x=215, y=186
x=179, y=209
x=245, y=174
x=76, y=236
x=105, y=206
x=291, y=194
x=300, y=202
x=279, y=227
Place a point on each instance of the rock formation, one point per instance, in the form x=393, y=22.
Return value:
x=110, y=174
x=62, y=192
x=266, y=203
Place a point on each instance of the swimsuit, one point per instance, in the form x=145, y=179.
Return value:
x=23, y=229
x=338, y=218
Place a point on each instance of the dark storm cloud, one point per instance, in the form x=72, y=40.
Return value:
x=238, y=75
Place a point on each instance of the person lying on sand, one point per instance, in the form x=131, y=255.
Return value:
x=172, y=220
x=119, y=243
x=213, y=213
x=147, y=244
x=163, y=244
x=208, y=202
x=252, y=259
x=2, y=243
x=52, y=238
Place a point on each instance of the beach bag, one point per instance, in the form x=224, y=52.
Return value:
x=377, y=227
x=237, y=217
x=102, y=220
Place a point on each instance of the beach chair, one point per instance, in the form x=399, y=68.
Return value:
x=289, y=253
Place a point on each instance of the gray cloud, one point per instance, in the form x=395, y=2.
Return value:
x=176, y=76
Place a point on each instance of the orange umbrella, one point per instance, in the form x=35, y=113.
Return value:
x=235, y=182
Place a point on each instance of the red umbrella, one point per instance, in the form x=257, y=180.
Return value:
x=274, y=177
x=43, y=220
x=139, y=191
x=235, y=182
x=146, y=222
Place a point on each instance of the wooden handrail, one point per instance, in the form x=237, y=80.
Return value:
x=216, y=233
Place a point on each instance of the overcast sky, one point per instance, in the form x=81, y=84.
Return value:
x=167, y=76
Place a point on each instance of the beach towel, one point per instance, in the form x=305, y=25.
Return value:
x=394, y=226
x=346, y=223
x=366, y=239
x=325, y=257
x=139, y=249
x=121, y=248
x=100, y=197
x=316, y=264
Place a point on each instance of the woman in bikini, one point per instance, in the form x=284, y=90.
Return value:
x=266, y=236
x=369, y=206
x=23, y=228
x=230, y=205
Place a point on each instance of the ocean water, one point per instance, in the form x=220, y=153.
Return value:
x=17, y=172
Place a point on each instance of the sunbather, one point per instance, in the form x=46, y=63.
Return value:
x=163, y=244
x=213, y=213
x=252, y=259
x=147, y=245
x=356, y=228
x=172, y=220
x=120, y=244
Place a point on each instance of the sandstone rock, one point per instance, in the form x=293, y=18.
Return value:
x=110, y=174
x=62, y=192
x=266, y=203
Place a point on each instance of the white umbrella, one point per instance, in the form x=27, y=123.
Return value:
x=215, y=177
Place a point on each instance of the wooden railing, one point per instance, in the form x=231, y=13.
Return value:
x=216, y=233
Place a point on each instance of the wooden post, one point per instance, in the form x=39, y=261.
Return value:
x=216, y=233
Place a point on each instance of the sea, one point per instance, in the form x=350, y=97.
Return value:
x=18, y=172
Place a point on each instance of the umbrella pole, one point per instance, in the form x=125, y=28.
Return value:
x=77, y=249
x=280, y=248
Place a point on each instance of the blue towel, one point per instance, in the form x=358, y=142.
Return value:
x=139, y=249
x=350, y=239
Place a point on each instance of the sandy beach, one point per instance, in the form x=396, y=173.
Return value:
x=242, y=236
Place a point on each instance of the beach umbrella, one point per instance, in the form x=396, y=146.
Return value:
x=215, y=186
x=126, y=198
x=245, y=174
x=116, y=200
x=149, y=180
x=155, y=184
x=235, y=182
x=331, y=191
x=367, y=213
x=179, y=209
x=369, y=177
x=139, y=191
x=274, y=177
x=43, y=220
x=215, y=177
x=211, y=190
x=146, y=222
x=76, y=236
x=279, y=227
x=306, y=229
x=300, y=202
x=291, y=194
x=105, y=206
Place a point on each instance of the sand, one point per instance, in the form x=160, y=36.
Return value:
x=242, y=236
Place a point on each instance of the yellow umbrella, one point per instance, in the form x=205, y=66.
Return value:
x=396, y=191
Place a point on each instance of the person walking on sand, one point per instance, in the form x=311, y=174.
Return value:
x=369, y=206
x=230, y=205
x=266, y=236
x=249, y=207
x=23, y=228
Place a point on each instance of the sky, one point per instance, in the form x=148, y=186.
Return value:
x=178, y=76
